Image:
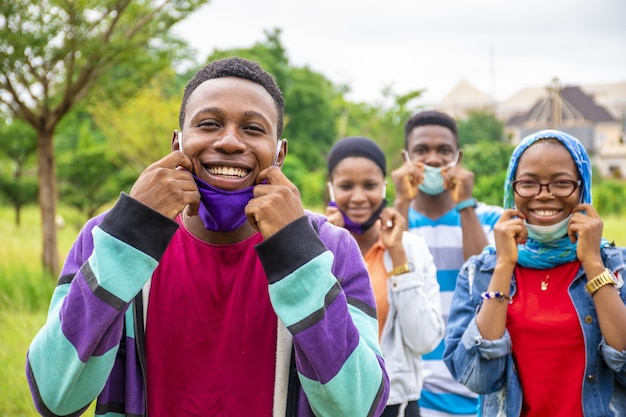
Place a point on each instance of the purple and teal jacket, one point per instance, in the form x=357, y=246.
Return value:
x=92, y=345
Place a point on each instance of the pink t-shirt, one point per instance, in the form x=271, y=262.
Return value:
x=211, y=331
x=548, y=344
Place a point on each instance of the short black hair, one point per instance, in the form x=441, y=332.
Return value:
x=430, y=117
x=240, y=68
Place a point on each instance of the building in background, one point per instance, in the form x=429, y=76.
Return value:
x=595, y=114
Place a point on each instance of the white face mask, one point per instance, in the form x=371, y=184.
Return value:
x=547, y=234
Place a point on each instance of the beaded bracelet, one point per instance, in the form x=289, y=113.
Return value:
x=500, y=296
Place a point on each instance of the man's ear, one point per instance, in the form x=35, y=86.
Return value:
x=282, y=153
x=458, y=162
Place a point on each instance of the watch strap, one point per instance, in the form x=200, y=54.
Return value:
x=470, y=202
x=402, y=269
x=605, y=278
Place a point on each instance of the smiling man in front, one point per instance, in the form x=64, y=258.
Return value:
x=189, y=296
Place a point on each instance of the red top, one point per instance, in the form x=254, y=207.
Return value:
x=548, y=344
x=211, y=331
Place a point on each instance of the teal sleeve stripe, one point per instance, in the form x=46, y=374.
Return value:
x=353, y=391
x=303, y=292
x=110, y=415
x=368, y=328
x=114, y=259
x=65, y=383
x=129, y=322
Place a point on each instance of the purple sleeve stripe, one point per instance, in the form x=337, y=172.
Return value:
x=362, y=306
x=100, y=292
x=317, y=315
x=92, y=325
x=130, y=401
x=39, y=404
x=323, y=347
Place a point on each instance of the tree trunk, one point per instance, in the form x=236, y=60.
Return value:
x=18, y=217
x=46, y=174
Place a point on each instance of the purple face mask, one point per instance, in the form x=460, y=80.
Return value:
x=359, y=228
x=221, y=210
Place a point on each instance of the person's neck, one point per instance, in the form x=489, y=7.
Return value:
x=433, y=206
x=196, y=227
x=368, y=238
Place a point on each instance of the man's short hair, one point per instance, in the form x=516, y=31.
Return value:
x=430, y=117
x=240, y=68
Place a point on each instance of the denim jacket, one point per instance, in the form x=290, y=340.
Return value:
x=487, y=367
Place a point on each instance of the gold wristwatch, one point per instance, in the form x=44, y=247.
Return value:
x=605, y=278
x=402, y=269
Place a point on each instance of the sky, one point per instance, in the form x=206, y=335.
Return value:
x=498, y=46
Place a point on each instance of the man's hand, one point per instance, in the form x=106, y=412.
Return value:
x=275, y=204
x=167, y=186
x=406, y=179
x=459, y=181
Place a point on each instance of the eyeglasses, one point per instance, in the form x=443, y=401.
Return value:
x=557, y=188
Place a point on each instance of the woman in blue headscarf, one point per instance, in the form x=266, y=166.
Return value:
x=538, y=323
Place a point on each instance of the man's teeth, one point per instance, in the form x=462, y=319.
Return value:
x=545, y=213
x=228, y=172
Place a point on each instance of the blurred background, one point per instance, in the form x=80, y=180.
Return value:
x=90, y=93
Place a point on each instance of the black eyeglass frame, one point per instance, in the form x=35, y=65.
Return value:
x=575, y=183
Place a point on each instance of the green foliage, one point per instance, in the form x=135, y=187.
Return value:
x=310, y=183
x=609, y=196
x=18, y=182
x=91, y=177
x=488, y=161
x=141, y=128
x=311, y=115
x=480, y=126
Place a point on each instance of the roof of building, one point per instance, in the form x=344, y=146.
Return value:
x=465, y=93
x=575, y=106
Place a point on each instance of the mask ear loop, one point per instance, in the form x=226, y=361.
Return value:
x=279, y=145
x=331, y=193
x=179, y=136
x=455, y=161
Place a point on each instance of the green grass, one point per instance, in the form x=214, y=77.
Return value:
x=17, y=328
x=25, y=293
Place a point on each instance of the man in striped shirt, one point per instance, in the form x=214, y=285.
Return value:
x=435, y=193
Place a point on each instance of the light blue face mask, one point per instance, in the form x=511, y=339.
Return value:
x=547, y=234
x=433, y=183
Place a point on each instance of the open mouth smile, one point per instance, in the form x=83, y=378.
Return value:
x=227, y=172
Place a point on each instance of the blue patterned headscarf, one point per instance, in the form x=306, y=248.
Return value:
x=535, y=254
x=575, y=148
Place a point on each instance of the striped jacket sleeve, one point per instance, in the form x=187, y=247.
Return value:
x=320, y=290
x=71, y=357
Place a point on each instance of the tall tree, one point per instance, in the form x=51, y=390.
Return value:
x=53, y=53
